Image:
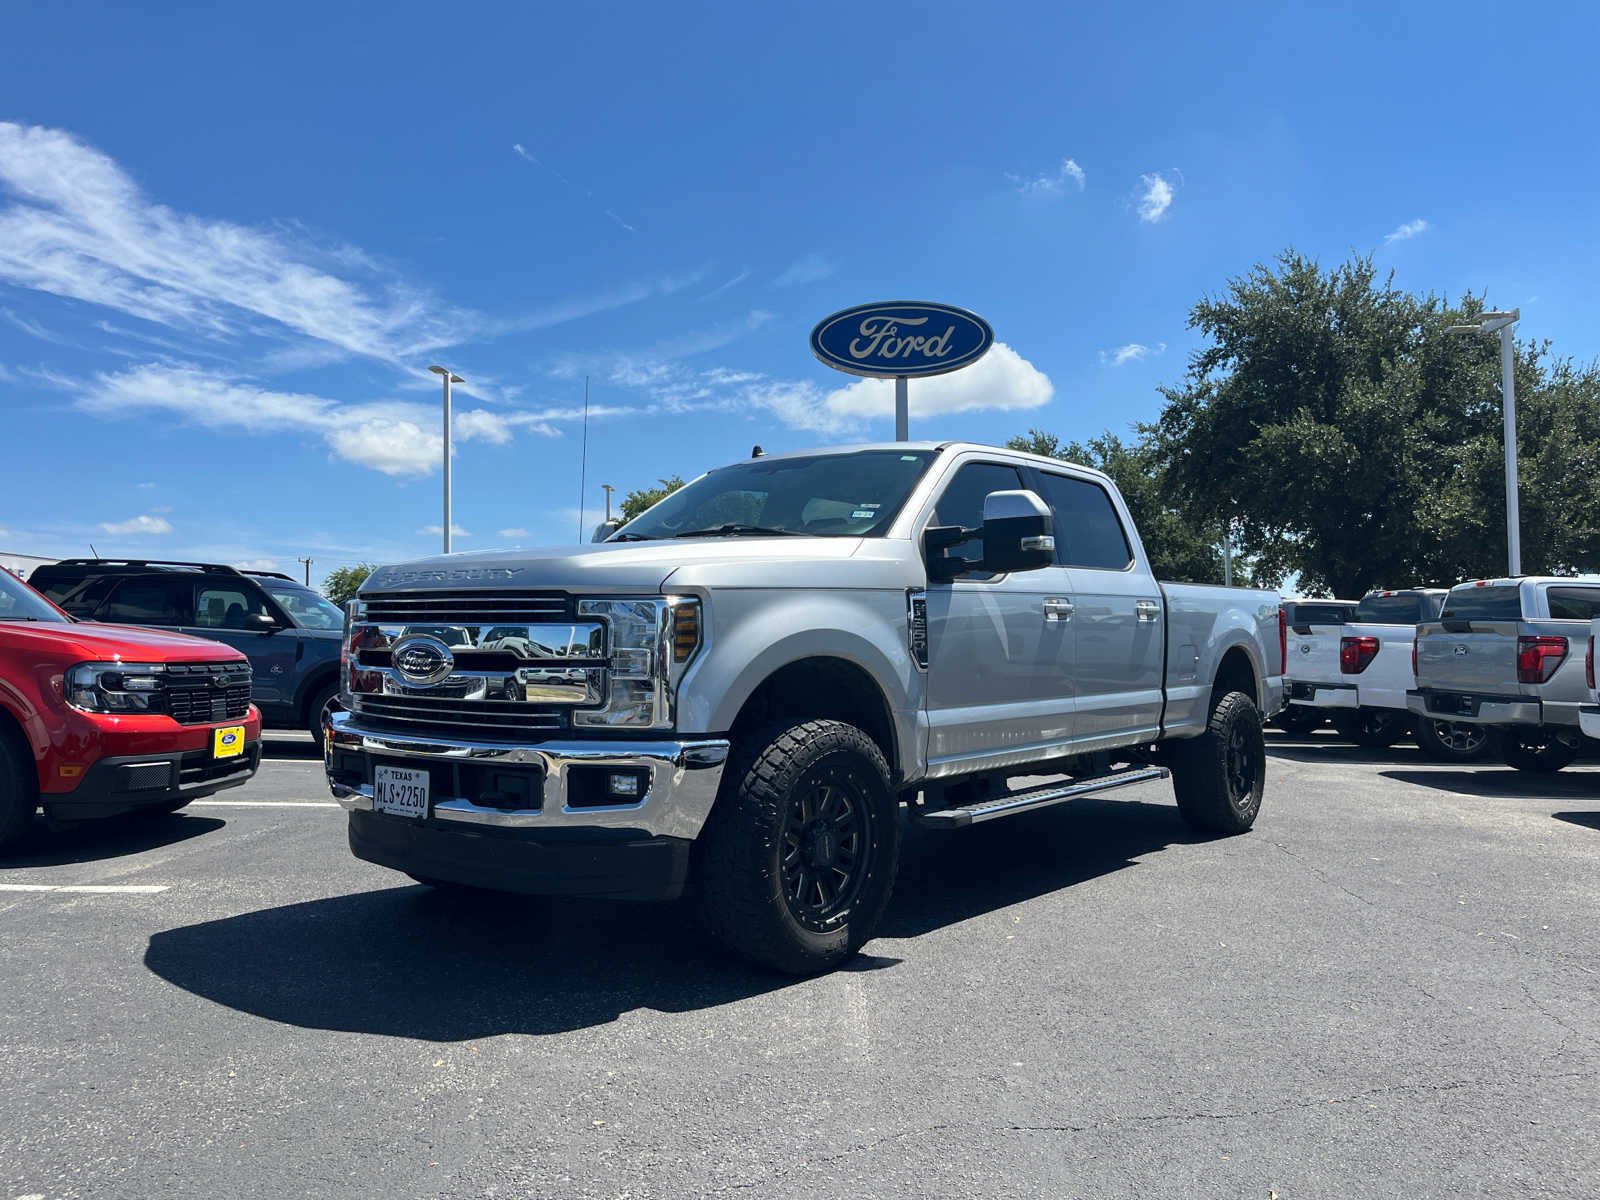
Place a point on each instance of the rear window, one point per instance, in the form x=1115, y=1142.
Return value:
x=1574, y=604
x=1319, y=614
x=1087, y=531
x=1400, y=609
x=1484, y=604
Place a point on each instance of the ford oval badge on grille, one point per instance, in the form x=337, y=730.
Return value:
x=423, y=660
x=1461, y=649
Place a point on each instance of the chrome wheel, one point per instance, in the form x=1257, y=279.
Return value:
x=1461, y=738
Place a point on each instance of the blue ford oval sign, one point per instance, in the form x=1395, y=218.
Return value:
x=901, y=337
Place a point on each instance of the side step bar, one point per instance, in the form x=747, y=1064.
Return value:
x=1037, y=798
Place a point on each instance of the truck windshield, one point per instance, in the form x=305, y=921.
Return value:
x=1483, y=604
x=308, y=609
x=19, y=602
x=854, y=494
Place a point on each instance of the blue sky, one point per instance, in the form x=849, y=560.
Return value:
x=233, y=238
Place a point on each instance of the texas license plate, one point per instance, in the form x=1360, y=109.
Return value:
x=227, y=742
x=400, y=791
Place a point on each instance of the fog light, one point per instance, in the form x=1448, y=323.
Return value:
x=623, y=786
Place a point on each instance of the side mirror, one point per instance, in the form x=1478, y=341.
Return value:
x=262, y=623
x=605, y=529
x=1017, y=532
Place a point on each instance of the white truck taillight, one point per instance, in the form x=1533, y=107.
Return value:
x=1356, y=654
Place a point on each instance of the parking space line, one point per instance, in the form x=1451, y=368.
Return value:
x=264, y=803
x=129, y=889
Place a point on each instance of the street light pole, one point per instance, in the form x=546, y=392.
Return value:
x=449, y=378
x=1501, y=323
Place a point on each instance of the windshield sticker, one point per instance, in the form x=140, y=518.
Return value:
x=862, y=514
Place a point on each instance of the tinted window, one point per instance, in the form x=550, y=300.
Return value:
x=1319, y=614
x=1574, y=604
x=1391, y=610
x=148, y=600
x=81, y=600
x=54, y=582
x=1088, y=533
x=227, y=606
x=1484, y=604
x=308, y=609
x=838, y=495
x=962, y=501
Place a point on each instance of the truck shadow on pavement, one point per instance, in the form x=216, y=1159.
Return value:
x=1494, y=783
x=410, y=962
x=1589, y=820
x=1332, y=750
x=95, y=841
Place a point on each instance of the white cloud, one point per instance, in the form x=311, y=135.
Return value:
x=257, y=564
x=807, y=269
x=1000, y=380
x=1409, y=230
x=1132, y=352
x=455, y=530
x=140, y=524
x=482, y=425
x=388, y=445
x=512, y=533
x=82, y=228
x=1156, y=197
x=1068, y=173
x=732, y=283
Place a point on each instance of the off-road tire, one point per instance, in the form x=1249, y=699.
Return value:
x=1540, y=751
x=1300, y=719
x=1374, y=728
x=1451, y=741
x=1214, y=795
x=743, y=856
x=19, y=789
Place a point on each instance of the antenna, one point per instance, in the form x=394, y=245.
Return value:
x=583, y=467
x=93, y=553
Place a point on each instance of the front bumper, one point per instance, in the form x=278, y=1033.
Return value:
x=1478, y=709
x=1322, y=695
x=127, y=783
x=536, y=786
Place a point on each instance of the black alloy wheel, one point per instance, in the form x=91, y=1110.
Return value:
x=826, y=831
x=1242, y=765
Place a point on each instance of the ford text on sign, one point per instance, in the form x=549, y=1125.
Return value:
x=901, y=337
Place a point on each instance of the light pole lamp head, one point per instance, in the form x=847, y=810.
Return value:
x=445, y=371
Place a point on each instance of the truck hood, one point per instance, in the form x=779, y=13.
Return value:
x=84, y=641
x=609, y=566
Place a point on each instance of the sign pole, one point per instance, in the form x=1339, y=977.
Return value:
x=902, y=410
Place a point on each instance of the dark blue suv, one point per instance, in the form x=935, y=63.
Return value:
x=289, y=632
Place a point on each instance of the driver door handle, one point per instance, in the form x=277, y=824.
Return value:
x=1147, y=610
x=1057, y=608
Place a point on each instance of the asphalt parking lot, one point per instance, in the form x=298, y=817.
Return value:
x=1389, y=988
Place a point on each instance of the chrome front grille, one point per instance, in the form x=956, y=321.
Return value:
x=466, y=608
x=485, y=715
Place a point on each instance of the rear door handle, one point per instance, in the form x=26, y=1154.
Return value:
x=1148, y=610
x=1057, y=609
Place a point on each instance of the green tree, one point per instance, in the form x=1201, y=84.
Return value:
x=636, y=501
x=1346, y=436
x=343, y=584
x=1179, y=549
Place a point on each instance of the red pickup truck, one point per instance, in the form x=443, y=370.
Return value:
x=97, y=720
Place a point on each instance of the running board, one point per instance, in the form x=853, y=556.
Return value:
x=1037, y=798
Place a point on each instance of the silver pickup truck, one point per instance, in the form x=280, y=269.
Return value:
x=749, y=687
x=1509, y=654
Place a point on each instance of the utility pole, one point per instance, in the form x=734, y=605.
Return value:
x=307, y=562
x=449, y=378
x=1501, y=323
x=608, y=490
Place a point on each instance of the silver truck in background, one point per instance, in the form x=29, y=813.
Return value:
x=1508, y=654
x=748, y=688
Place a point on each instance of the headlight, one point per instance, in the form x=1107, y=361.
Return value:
x=104, y=687
x=649, y=643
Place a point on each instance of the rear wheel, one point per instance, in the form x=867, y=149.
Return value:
x=795, y=865
x=1218, y=777
x=1300, y=719
x=1452, y=741
x=1374, y=728
x=19, y=790
x=1540, y=750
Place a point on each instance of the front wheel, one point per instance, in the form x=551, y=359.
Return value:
x=1300, y=719
x=1374, y=728
x=322, y=706
x=796, y=863
x=1452, y=741
x=1542, y=750
x=1219, y=776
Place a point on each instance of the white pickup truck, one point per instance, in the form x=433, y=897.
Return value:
x=1312, y=634
x=1506, y=655
x=748, y=688
x=1360, y=674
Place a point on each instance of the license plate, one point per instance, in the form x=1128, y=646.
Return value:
x=227, y=742
x=401, y=791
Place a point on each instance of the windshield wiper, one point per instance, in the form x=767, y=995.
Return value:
x=739, y=530
x=630, y=537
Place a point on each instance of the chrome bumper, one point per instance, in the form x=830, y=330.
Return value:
x=683, y=778
x=1497, y=711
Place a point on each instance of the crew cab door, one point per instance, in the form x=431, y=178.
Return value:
x=999, y=685
x=1117, y=617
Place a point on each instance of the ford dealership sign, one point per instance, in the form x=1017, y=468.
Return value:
x=901, y=338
